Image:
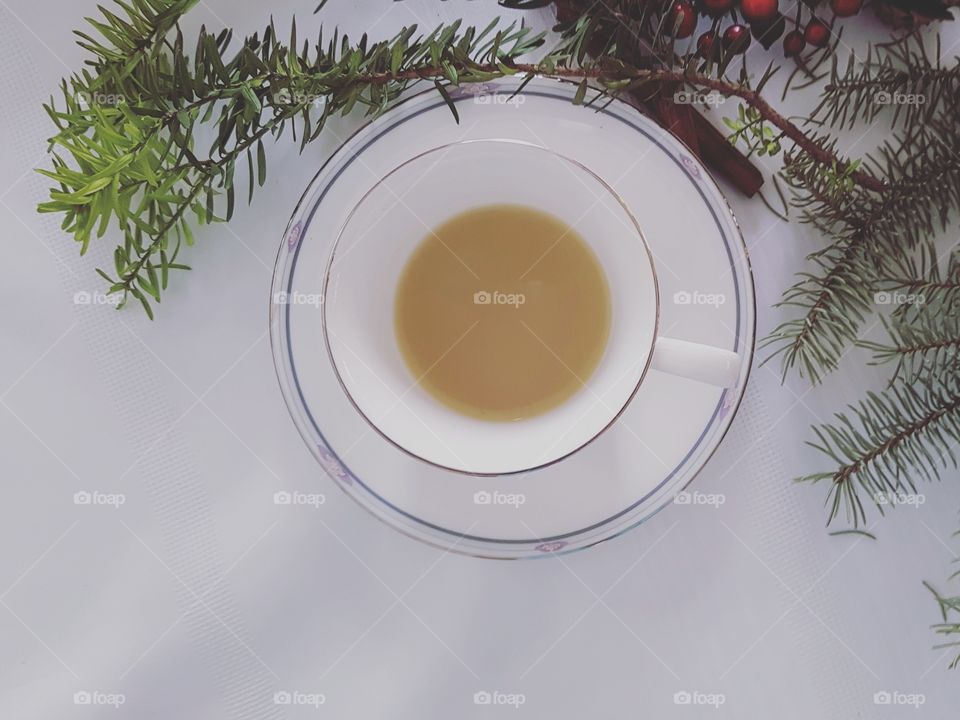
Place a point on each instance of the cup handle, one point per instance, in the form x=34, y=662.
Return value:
x=704, y=363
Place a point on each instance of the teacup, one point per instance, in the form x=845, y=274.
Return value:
x=390, y=222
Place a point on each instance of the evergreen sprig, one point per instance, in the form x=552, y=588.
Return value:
x=923, y=329
x=835, y=299
x=902, y=76
x=949, y=627
x=885, y=441
x=868, y=233
x=922, y=277
x=126, y=147
x=923, y=344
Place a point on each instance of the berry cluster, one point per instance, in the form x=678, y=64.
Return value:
x=760, y=19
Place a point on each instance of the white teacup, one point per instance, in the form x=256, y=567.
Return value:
x=391, y=221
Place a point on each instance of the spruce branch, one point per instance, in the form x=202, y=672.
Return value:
x=949, y=627
x=125, y=147
x=125, y=151
x=921, y=278
x=869, y=234
x=902, y=76
x=920, y=166
x=924, y=328
x=923, y=344
x=835, y=299
x=880, y=444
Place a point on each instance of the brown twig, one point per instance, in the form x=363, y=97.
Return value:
x=811, y=147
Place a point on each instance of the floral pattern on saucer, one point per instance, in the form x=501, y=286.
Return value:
x=549, y=547
x=293, y=237
x=333, y=466
x=691, y=166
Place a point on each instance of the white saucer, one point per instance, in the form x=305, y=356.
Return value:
x=672, y=426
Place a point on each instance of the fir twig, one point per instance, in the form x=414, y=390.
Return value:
x=870, y=234
x=125, y=151
x=899, y=78
x=921, y=278
x=949, y=608
x=923, y=344
x=881, y=444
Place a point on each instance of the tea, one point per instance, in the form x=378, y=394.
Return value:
x=502, y=312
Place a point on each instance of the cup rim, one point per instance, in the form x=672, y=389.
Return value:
x=650, y=350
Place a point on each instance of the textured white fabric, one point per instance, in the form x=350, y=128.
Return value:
x=199, y=597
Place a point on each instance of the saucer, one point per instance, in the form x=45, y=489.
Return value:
x=670, y=428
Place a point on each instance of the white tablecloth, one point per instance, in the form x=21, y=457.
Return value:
x=199, y=597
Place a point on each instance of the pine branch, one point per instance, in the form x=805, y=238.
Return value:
x=950, y=626
x=835, y=304
x=924, y=344
x=901, y=76
x=870, y=233
x=129, y=154
x=922, y=278
x=125, y=148
x=883, y=442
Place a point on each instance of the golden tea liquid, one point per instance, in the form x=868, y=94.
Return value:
x=502, y=312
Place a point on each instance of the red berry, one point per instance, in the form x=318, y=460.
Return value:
x=736, y=38
x=793, y=43
x=817, y=33
x=845, y=8
x=707, y=45
x=683, y=12
x=718, y=7
x=758, y=10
